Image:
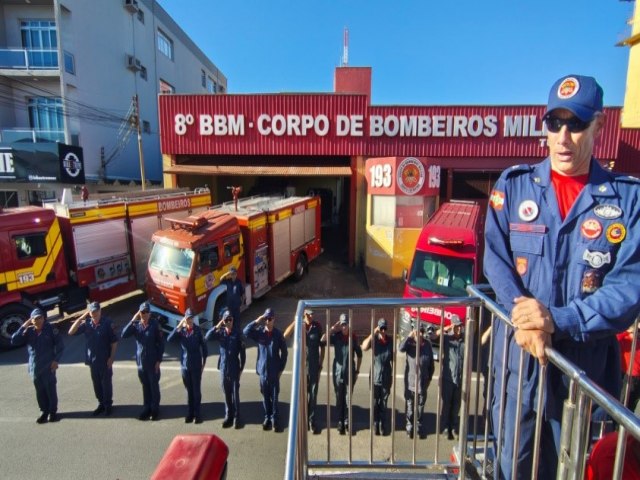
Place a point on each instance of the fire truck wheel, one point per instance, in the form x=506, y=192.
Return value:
x=301, y=267
x=11, y=317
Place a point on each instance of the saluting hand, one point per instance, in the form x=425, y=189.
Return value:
x=54, y=366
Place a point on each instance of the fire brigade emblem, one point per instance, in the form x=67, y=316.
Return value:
x=411, y=175
x=591, y=228
x=496, y=200
x=596, y=259
x=528, y=210
x=568, y=88
x=608, y=212
x=521, y=265
x=616, y=232
x=591, y=281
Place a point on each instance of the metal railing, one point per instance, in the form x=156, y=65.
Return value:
x=28, y=59
x=476, y=450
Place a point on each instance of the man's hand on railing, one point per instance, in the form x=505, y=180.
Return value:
x=530, y=314
x=534, y=342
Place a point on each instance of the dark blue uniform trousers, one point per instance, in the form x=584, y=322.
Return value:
x=451, y=397
x=231, y=389
x=46, y=392
x=312, y=395
x=549, y=442
x=102, y=376
x=270, y=392
x=150, y=381
x=192, y=380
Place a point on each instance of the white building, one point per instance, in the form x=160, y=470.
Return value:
x=69, y=70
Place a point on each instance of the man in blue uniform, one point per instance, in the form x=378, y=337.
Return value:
x=231, y=364
x=235, y=294
x=149, y=351
x=315, y=357
x=192, y=362
x=561, y=251
x=102, y=342
x=45, y=347
x=272, y=358
x=382, y=374
x=339, y=338
x=418, y=371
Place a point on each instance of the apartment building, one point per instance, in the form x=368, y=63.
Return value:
x=69, y=73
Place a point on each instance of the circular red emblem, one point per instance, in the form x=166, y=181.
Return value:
x=591, y=228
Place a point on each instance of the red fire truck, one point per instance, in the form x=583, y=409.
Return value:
x=62, y=254
x=448, y=257
x=267, y=239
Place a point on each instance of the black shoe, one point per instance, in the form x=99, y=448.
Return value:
x=341, y=429
x=198, y=420
x=456, y=435
x=188, y=419
x=266, y=425
x=42, y=418
x=227, y=422
x=410, y=434
x=314, y=428
x=449, y=435
x=108, y=411
x=98, y=410
x=155, y=416
x=377, y=429
x=276, y=427
x=237, y=423
x=54, y=417
x=144, y=415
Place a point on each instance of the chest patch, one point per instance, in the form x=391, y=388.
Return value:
x=528, y=211
x=591, y=229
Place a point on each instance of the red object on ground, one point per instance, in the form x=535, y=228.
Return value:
x=600, y=463
x=193, y=457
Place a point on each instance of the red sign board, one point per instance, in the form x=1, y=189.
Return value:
x=403, y=176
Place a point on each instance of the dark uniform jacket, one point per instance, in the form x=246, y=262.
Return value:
x=453, y=359
x=149, y=343
x=99, y=339
x=194, y=348
x=425, y=365
x=314, y=343
x=233, y=353
x=341, y=356
x=272, y=351
x=583, y=268
x=382, y=361
x=44, y=347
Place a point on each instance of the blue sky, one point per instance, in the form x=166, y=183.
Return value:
x=422, y=52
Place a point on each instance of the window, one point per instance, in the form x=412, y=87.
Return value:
x=45, y=114
x=165, y=44
x=69, y=63
x=30, y=246
x=140, y=15
x=146, y=126
x=143, y=72
x=40, y=40
x=166, y=87
x=231, y=247
x=203, y=78
x=209, y=257
x=211, y=85
x=441, y=274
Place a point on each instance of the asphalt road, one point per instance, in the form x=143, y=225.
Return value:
x=122, y=447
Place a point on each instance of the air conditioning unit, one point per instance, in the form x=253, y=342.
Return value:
x=133, y=63
x=131, y=5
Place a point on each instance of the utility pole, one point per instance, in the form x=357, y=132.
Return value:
x=136, y=119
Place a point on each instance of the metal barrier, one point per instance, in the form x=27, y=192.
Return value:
x=476, y=449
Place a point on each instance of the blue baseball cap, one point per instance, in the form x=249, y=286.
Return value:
x=579, y=94
x=94, y=306
x=343, y=319
x=145, y=307
x=36, y=312
x=226, y=314
x=269, y=313
x=382, y=323
x=188, y=313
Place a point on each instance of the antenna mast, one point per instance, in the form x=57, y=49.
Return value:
x=345, y=47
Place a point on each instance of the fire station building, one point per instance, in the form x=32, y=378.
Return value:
x=380, y=170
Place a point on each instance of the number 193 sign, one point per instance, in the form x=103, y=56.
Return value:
x=403, y=176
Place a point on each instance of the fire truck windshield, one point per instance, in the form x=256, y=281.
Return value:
x=446, y=276
x=171, y=259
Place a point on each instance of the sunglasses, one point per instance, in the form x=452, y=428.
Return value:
x=383, y=328
x=574, y=124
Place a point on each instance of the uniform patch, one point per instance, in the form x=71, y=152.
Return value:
x=591, y=281
x=591, y=228
x=616, y=232
x=521, y=265
x=608, y=212
x=568, y=88
x=596, y=259
x=527, y=227
x=496, y=200
x=528, y=211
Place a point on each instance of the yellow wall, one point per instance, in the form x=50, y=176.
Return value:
x=631, y=111
x=390, y=250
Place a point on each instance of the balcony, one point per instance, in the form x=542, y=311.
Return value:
x=21, y=61
x=14, y=135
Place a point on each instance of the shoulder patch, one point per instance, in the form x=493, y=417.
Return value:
x=518, y=170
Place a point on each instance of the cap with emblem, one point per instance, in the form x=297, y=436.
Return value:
x=226, y=315
x=269, y=313
x=382, y=323
x=144, y=307
x=343, y=319
x=36, y=312
x=579, y=94
x=94, y=306
x=455, y=320
x=188, y=313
